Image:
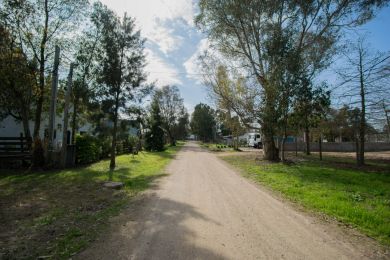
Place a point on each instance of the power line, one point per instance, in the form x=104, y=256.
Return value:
x=180, y=73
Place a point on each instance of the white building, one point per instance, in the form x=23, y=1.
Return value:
x=9, y=127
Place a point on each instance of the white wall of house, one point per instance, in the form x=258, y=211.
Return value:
x=9, y=127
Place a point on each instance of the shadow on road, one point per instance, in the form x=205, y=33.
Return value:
x=153, y=228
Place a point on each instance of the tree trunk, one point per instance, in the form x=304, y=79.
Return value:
x=172, y=140
x=38, y=111
x=113, y=145
x=26, y=123
x=387, y=120
x=320, y=147
x=362, y=127
x=307, y=140
x=74, y=119
x=282, y=148
x=270, y=151
x=357, y=149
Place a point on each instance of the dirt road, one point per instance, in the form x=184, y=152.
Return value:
x=205, y=210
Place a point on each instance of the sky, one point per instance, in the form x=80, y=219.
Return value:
x=174, y=42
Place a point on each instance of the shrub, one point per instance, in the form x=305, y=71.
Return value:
x=87, y=149
x=105, y=146
x=154, y=142
x=119, y=147
x=131, y=143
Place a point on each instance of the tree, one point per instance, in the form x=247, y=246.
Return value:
x=225, y=93
x=362, y=81
x=386, y=111
x=87, y=53
x=262, y=34
x=309, y=107
x=203, y=122
x=38, y=26
x=17, y=81
x=181, y=129
x=234, y=126
x=172, y=109
x=154, y=139
x=122, y=62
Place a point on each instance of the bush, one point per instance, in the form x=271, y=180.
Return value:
x=154, y=142
x=105, y=146
x=131, y=143
x=119, y=147
x=88, y=149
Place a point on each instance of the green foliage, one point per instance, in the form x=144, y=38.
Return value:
x=37, y=26
x=154, y=139
x=351, y=195
x=119, y=147
x=105, y=146
x=174, y=114
x=120, y=76
x=273, y=39
x=132, y=142
x=203, y=122
x=87, y=149
x=310, y=105
x=17, y=80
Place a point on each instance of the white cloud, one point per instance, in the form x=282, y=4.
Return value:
x=165, y=39
x=160, y=71
x=192, y=65
x=150, y=16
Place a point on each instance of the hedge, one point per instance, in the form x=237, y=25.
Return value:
x=88, y=149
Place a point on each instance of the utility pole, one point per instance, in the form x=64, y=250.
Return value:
x=53, y=101
x=66, y=115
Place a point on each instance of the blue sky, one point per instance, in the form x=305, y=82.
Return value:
x=173, y=42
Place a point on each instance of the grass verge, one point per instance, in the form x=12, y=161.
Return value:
x=56, y=214
x=358, y=197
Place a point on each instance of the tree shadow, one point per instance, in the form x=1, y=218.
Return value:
x=49, y=204
x=154, y=228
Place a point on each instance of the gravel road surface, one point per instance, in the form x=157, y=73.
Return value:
x=205, y=210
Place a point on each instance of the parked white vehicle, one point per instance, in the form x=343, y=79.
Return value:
x=254, y=140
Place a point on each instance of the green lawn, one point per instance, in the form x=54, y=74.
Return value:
x=359, y=197
x=55, y=214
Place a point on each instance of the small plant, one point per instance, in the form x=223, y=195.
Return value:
x=357, y=197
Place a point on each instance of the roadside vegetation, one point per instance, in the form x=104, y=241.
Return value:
x=356, y=196
x=55, y=214
x=217, y=147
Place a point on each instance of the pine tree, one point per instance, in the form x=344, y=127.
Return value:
x=154, y=139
